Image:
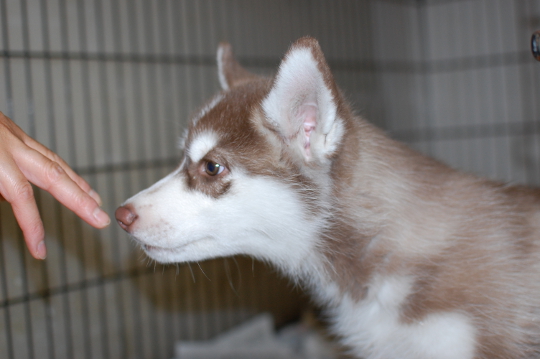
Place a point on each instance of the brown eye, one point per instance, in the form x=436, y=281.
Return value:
x=213, y=168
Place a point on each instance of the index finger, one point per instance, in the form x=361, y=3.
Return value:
x=55, y=158
x=50, y=176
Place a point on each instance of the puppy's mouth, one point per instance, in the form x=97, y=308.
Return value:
x=163, y=255
x=152, y=249
x=148, y=248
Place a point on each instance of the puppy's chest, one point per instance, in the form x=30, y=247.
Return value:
x=373, y=328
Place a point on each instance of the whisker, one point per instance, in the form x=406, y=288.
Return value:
x=229, y=277
x=239, y=271
x=199, y=264
x=192, y=274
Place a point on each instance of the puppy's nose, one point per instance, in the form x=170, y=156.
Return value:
x=125, y=216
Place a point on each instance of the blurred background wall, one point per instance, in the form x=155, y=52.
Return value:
x=110, y=84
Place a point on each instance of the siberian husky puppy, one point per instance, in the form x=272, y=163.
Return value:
x=412, y=259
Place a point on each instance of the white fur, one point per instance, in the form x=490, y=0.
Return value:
x=201, y=145
x=222, y=79
x=372, y=327
x=182, y=139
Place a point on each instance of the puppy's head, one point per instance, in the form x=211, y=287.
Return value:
x=256, y=171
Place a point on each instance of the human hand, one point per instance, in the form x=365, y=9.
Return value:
x=24, y=160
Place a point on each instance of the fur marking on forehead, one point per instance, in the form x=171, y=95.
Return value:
x=207, y=108
x=201, y=145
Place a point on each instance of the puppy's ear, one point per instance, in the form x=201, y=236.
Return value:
x=230, y=72
x=303, y=102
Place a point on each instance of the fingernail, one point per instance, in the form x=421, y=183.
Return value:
x=41, y=250
x=102, y=217
x=96, y=197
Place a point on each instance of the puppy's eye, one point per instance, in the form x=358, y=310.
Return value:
x=213, y=168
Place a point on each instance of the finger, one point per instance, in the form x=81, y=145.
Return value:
x=19, y=193
x=50, y=176
x=55, y=158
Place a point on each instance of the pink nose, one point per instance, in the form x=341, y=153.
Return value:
x=125, y=216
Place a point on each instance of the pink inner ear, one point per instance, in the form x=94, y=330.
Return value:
x=307, y=113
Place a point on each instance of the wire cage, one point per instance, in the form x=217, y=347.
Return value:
x=110, y=85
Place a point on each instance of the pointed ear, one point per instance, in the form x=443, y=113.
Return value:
x=303, y=102
x=230, y=72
